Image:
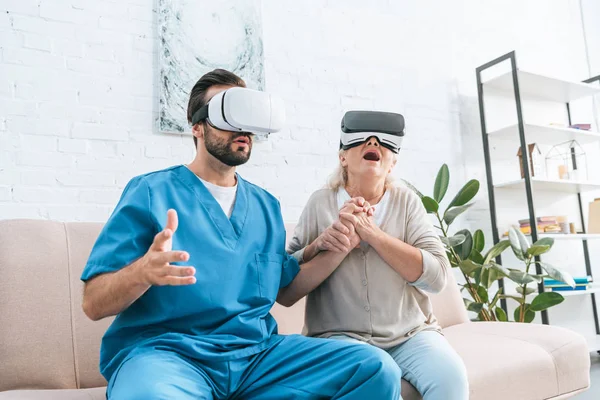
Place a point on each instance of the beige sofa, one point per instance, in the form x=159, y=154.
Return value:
x=49, y=349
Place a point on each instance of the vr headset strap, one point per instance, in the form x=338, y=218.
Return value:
x=200, y=115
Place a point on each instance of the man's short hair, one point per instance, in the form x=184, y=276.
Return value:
x=198, y=94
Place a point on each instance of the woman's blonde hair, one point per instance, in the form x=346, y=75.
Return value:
x=339, y=178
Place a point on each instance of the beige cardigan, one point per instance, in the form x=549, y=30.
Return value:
x=364, y=297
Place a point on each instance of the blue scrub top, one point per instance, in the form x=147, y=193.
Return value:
x=240, y=265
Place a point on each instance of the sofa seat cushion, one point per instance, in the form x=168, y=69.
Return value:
x=521, y=361
x=66, y=394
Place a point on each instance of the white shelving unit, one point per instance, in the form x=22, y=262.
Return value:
x=542, y=87
x=553, y=185
x=522, y=86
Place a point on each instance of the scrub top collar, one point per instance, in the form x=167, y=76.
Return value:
x=231, y=229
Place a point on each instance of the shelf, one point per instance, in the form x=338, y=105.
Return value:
x=543, y=134
x=594, y=288
x=536, y=86
x=551, y=185
x=575, y=236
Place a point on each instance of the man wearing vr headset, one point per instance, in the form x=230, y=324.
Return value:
x=191, y=262
x=393, y=258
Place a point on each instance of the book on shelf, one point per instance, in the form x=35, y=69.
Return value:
x=569, y=288
x=581, y=283
x=578, y=281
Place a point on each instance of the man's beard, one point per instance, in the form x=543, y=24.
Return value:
x=221, y=149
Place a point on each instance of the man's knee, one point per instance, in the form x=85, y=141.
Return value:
x=139, y=391
x=381, y=366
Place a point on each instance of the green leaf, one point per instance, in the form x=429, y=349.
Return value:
x=484, y=277
x=483, y=294
x=528, y=291
x=496, y=251
x=472, y=306
x=441, y=183
x=453, y=241
x=478, y=240
x=557, y=274
x=515, y=298
x=522, y=278
x=475, y=307
x=547, y=241
x=465, y=194
x=496, y=298
x=468, y=266
x=501, y=315
x=493, y=276
x=430, y=204
x=514, y=243
x=411, y=187
x=451, y=214
x=523, y=241
x=476, y=257
x=546, y=300
x=529, y=315
x=501, y=271
x=465, y=248
x=537, y=250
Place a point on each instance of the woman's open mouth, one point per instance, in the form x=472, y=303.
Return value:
x=372, y=155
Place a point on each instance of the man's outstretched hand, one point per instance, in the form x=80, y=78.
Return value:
x=155, y=268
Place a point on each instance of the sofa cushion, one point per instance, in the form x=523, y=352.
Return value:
x=36, y=338
x=520, y=361
x=87, y=334
x=68, y=394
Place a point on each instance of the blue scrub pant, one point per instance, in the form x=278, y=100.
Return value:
x=296, y=367
x=430, y=364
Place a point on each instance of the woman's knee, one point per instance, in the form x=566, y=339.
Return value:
x=452, y=377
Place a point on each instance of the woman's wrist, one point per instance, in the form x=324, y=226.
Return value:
x=373, y=235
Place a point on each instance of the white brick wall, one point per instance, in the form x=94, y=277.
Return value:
x=78, y=101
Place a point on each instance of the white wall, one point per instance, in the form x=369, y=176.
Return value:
x=78, y=99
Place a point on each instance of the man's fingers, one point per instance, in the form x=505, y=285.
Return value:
x=175, y=270
x=160, y=239
x=334, y=246
x=171, y=256
x=337, y=225
x=172, y=220
x=340, y=237
x=177, y=280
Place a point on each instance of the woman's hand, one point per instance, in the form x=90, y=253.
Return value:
x=363, y=224
x=337, y=238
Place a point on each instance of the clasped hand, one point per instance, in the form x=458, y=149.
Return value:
x=355, y=223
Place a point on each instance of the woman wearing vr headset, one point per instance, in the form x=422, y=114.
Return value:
x=394, y=258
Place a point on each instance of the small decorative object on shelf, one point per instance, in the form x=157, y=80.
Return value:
x=535, y=160
x=568, y=161
x=594, y=217
x=583, y=127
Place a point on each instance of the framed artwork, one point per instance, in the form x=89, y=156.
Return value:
x=198, y=36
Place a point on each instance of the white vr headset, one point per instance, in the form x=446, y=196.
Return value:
x=359, y=126
x=243, y=110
